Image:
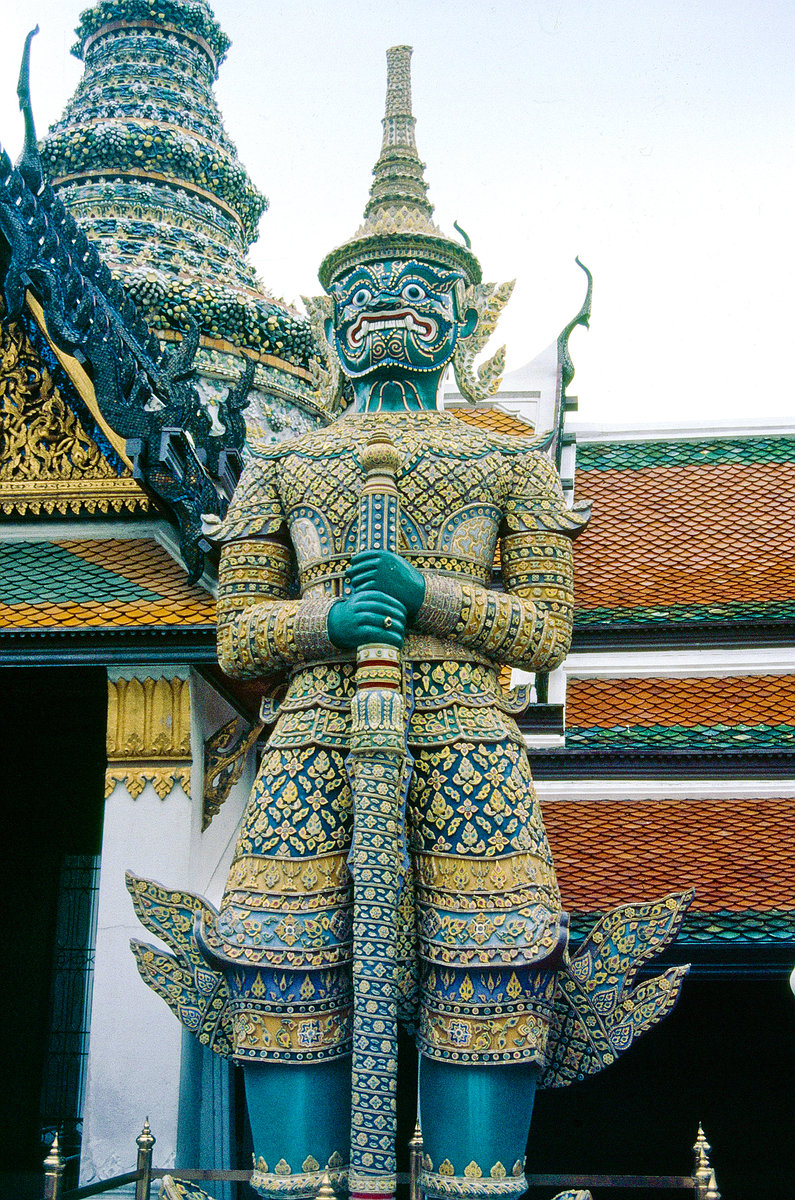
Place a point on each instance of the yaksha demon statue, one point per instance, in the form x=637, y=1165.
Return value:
x=392, y=862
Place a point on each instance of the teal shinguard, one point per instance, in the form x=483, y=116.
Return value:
x=475, y=1121
x=300, y=1125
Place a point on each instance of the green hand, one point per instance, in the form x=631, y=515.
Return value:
x=367, y=617
x=390, y=574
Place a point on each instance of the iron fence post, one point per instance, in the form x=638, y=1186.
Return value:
x=702, y=1170
x=415, y=1162
x=712, y=1192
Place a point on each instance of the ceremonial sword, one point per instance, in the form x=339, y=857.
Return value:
x=379, y=768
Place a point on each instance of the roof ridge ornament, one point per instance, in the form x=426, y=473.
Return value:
x=29, y=162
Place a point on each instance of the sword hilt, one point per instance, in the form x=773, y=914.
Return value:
x=378, y=665
x=378, y=502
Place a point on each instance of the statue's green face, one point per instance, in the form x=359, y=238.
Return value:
x=396, y=317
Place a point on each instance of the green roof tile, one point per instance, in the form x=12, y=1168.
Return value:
x=641, y=455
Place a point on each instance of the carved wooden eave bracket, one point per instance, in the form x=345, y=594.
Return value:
x=224, y=758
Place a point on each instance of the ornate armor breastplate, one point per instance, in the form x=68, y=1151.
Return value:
x=452, y=484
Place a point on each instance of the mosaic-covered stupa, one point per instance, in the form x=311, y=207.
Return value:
x=141, y=159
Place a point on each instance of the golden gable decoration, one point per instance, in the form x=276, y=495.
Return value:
x=148, y=738
x=48, y=462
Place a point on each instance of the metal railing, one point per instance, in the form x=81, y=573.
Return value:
x=701, y=1183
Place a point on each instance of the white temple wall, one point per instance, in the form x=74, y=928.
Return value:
x=141, y=1064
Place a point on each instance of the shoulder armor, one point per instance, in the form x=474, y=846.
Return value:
x=535, y=498
x=255, y=510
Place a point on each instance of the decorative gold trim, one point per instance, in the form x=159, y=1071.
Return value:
x=471, y=1184
x=79, y=377
x=224, y=347
x=135, y=779
x=466, y=876
x=509, y=1037
x=289, y=876
x=51, y=462
x=72, y=496
x=305, y=1184
x=148, y=735
x=264, y=1034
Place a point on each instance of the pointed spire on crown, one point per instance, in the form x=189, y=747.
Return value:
x=398, y=217
x=398, y=174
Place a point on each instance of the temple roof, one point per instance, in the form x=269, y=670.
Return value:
x=738, y=854
x=111, y=584
x=686, y=530
x=739, y=712
x=495, y=419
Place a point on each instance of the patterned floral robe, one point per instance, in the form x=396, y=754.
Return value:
x=482, y=929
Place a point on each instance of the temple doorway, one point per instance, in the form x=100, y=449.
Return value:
x=51, y=790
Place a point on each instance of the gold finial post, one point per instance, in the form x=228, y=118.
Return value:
x=701, y=1165
x=326, y=1191
x=145, y=1143
x=712, y=1192
x=54, y=1167
x=415, y=1162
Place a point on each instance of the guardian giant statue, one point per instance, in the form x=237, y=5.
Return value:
x=392, y=864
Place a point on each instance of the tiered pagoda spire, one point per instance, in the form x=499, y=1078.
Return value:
x=398, y=175
x=142, y=160
x=398, y=216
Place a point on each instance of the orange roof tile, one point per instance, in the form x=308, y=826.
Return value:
x=715, y=535
x=493, y=419
x=113, y=583
x=729, y=700
x=738, y=854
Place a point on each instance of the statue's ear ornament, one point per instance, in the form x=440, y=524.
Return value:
x=327, y=379
x=488, y=300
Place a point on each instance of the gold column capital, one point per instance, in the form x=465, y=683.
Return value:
x=148, y=735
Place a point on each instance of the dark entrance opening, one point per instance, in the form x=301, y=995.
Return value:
x=725, y=1057
x=52, y=767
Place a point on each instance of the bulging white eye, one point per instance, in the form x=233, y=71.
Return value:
x=361, y=297
x=413, y=293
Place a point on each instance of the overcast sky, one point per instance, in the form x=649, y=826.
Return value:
x=654, y=139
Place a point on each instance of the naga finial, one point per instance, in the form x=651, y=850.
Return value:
x=29, y=164
x=583, y=317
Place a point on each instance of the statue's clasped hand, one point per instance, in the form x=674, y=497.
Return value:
x=388, y=592
x=383, y=571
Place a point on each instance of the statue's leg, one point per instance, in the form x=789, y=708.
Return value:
x=475, y=1121
x=284, y=942
x=300, y=1123
x=491, y=936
